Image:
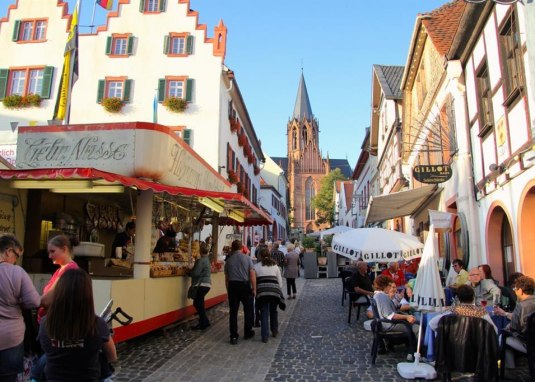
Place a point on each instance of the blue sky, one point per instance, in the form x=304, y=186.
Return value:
x=336, y=43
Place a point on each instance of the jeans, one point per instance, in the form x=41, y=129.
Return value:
x=38, y=369
x=198, y=303
x=11, y=362
x=269, y=314
x=240, y=291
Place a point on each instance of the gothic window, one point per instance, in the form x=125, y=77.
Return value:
x=310, y=194
x=305, y=136
x=294, y=139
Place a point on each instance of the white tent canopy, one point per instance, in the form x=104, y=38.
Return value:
x=330, y=231
x=376, y=244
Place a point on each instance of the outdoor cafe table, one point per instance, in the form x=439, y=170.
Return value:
x=429, y=338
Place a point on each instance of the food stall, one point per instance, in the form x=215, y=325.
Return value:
x=89, y=180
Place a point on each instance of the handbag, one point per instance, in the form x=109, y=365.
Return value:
x=192, y=292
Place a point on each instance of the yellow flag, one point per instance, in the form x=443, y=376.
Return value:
x=70, y=69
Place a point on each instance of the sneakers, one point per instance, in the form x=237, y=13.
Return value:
x=249, y=335
x=234, y=341
x=265, y=340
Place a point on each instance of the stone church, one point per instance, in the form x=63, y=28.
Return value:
x=304, y=165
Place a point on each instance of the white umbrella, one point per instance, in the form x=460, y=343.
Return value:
x=376, y=244
x=334, y=230
x=428, y=293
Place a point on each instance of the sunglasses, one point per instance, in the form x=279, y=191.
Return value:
x=16, y=253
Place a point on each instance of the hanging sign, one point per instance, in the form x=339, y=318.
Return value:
x=432, y=174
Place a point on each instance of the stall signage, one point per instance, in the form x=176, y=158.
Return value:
x=103, y=149
x=9, y=153
x=432, y=174
x=7, y=218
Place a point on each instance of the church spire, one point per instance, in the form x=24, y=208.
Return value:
x=302, y=108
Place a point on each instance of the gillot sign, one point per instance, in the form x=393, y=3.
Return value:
x=374, y=256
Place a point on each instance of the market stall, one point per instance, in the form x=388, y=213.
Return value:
x=144, y=173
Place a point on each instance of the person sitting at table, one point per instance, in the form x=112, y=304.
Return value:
x=462, y=275
x=401, y=305
x=524, y=289
x=361, y=283
x=486, y=273
x=485, y=290
x=466, y=307
x=508, y=294
x=395, y=273
x=385, y=308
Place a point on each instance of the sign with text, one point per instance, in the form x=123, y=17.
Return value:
x=7, y=217
x=136, y=149
x=432, y=174
x=9, y=153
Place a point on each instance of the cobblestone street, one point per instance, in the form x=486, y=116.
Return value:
x=315, y=344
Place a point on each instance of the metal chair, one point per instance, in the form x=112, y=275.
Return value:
x=528, y=338
x=343, y=275
x=353, y=297
x=380, y=334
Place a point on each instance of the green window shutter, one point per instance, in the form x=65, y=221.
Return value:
x=189, y=89
x=166, y=41
x=109, y=41
x=162, y=5
x=130, y=45
x=187, y=136
x=16, y=30
x=189, y=45
x=142, y=5
x=100, y=91
x=127, y=89
x=161, y=89
x=4, y=74
x=47, y=81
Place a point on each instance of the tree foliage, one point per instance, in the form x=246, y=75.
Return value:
x=324, y=200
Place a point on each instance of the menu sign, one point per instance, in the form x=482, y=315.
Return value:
x=7, y=217
x=432, y=174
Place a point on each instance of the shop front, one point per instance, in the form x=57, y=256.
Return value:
x=90, y=180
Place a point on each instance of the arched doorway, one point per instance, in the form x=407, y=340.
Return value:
x=526, y=230
x=500, y=248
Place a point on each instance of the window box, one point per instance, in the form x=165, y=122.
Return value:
x=232, y=177
x=242, y=139
x=175, y=104
x=112, y=104
x=16, y=101
x=234, y=125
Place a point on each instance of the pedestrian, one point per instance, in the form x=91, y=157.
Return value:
x=268, y=293
x=201, y=281
x=240, y=280
x=291, y=270
x=277, y=256
x=16, y=293
x=71, y=335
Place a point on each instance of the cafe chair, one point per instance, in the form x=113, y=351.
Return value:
x=343, y=275
x=352, y=298
x=393, y=336
x=466, y=344
x=528, y=339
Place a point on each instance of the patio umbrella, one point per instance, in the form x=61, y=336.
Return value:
x=376, y=244
x=334, y=230
x=428, y=293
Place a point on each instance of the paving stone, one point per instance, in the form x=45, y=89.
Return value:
x=315, y=343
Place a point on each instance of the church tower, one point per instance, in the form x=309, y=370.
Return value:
x=306, y=167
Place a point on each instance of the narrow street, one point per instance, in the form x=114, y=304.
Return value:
x=315, y=343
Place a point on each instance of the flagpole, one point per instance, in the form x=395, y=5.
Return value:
x=93, y=16
x=71, y=69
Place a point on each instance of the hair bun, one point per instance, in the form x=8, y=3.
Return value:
x=74, y=241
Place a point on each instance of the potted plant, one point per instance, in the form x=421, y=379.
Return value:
x=309, y=243
x=234, y=124
x=112, y=104
x=256, y=169
x=17, y=101
x=327, y=241
x=232, y=177
x=175, y=104
x=322, y=258
x=241, y=139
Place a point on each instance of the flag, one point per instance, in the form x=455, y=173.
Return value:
x=106, y=4
x=70, y=70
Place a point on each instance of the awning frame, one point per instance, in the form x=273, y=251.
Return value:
x=229, y=200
